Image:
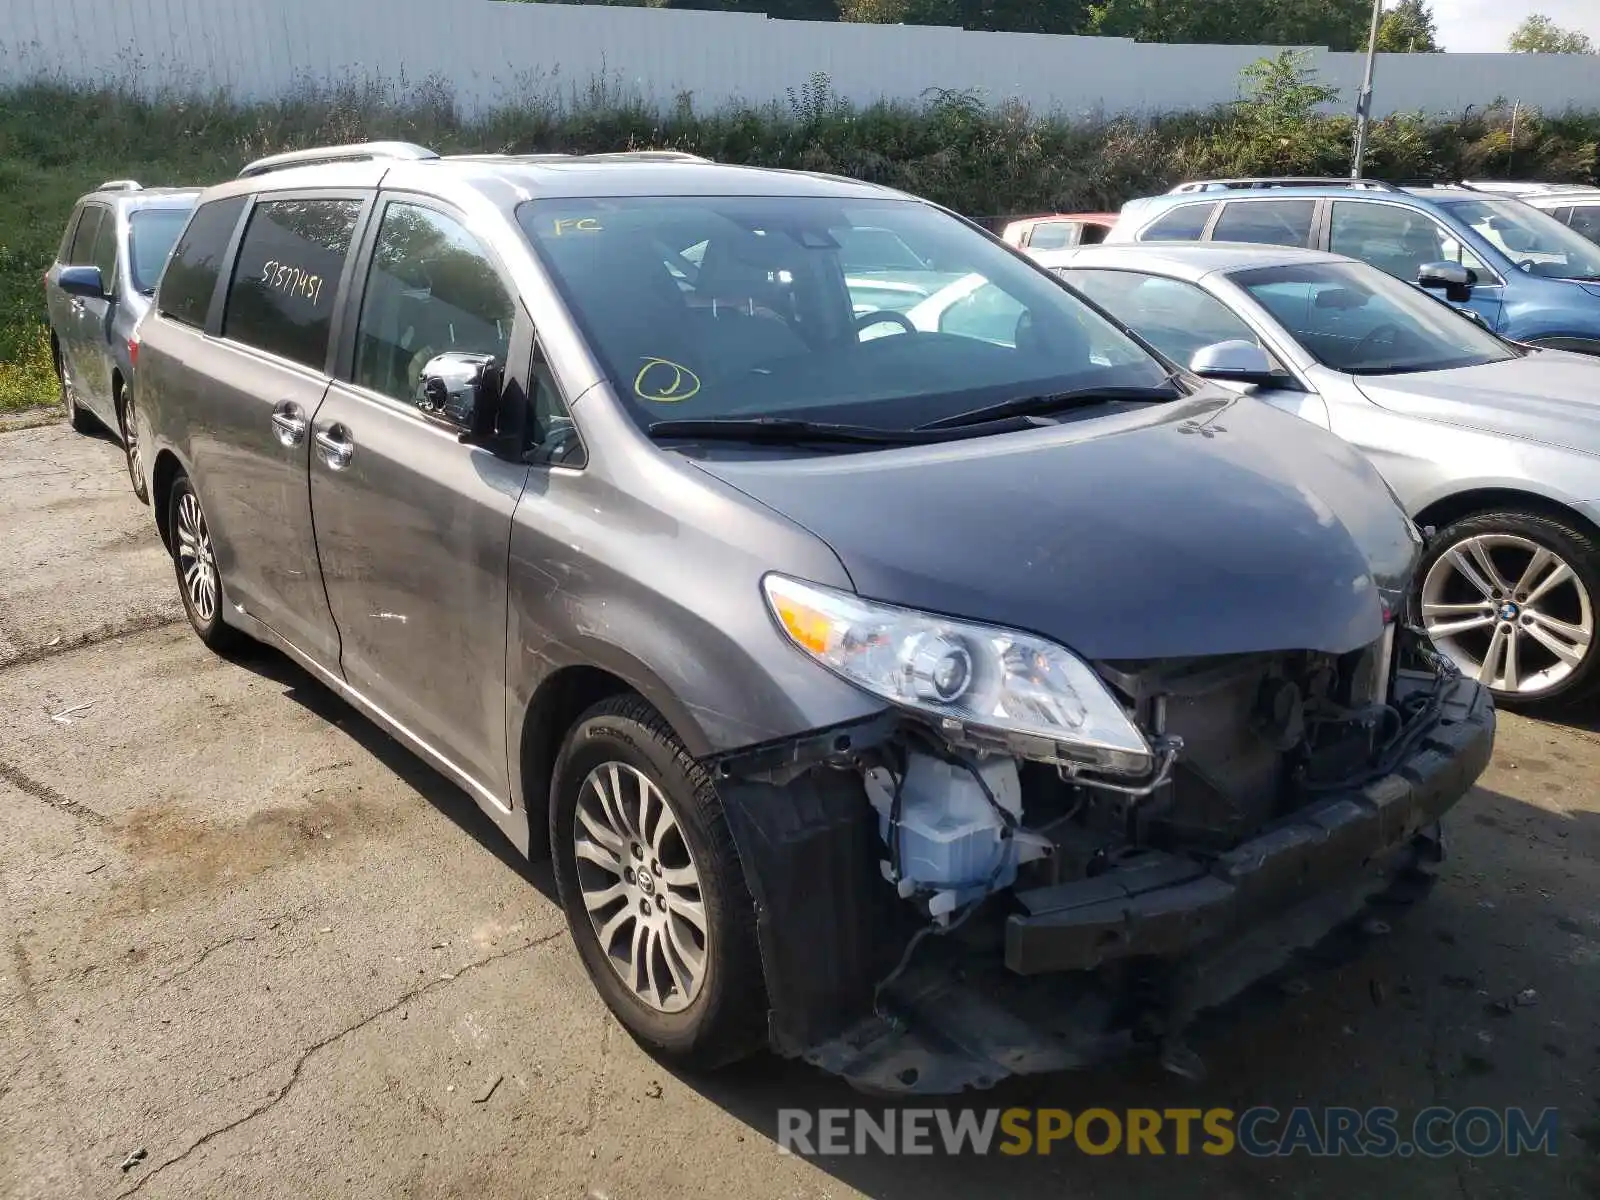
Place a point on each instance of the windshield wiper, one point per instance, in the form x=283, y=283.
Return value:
x=1025, y=406
x=781, y=429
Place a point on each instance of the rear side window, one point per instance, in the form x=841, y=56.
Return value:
x=1268, y=222
x=82, y=252
x=1586, y=220
x=287, y=275
x=1564, y=215
x=64, y=251
x=1183, y=224
x=1053, y=235
x=191, y=277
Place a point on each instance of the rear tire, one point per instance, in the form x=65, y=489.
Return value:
x=1518, y=593
x=77, y=416
x=195, y=564
x=127, y=419
x=683, y=926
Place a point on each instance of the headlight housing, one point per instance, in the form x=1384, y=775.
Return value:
x=999, y=680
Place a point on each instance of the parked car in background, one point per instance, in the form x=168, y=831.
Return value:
x=1579, y=209
x=1522, y=189
x=1057, y=230
x=1531, y=278
x=581, y=478
x=1495, y=444
x=99, y=286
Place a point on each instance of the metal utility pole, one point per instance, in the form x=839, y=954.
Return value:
x=1364, y=100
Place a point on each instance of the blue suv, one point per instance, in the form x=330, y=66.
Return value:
x=1527, y=276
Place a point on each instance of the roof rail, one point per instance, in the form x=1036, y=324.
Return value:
x=1286, y=181
x=1507, y=187
x=355, y=152
x=120, y=185
x=645, y=156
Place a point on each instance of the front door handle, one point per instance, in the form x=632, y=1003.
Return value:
x=288, y=424
x=335, y=446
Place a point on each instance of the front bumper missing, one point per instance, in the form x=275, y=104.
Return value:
x=1075, y=958
x=1171, y=904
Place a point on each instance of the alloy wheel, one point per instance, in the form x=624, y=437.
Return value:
x=640, y=887
x=196, y=562
x=130, y=442
x=1509, y=612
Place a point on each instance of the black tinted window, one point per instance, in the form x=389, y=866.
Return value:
x=1271, y=222
x=1183, y=224
x=191, y=277
x=82, y=252
x=430, y=289
x=1586, y=220
x=286, y=276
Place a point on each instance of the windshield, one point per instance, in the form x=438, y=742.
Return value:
x=1537, y=242
x=1354, y=318
x=151, y=233
x=764, y=317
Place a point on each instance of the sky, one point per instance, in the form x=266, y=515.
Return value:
x=1484, y=25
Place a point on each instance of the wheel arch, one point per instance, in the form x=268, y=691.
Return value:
x=1447, y=510
x=163, y=474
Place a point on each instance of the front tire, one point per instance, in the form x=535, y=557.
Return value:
x=1512, y=598
x=195, y=563
x=77, y=416
x=652, y=887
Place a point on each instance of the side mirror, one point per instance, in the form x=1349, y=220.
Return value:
x=82, y=281
x=1453, y=279
x=1239, y=361
x=462, y=391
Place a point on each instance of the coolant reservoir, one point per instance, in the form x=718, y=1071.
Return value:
x=950, y=834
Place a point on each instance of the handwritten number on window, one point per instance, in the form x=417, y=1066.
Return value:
x=292, y=281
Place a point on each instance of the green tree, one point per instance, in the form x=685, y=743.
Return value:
x=1540, y=35
x=1408, y=28
x=1337, y=24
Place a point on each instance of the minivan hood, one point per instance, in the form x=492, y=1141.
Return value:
x=1549, y=396
x=1213, y=525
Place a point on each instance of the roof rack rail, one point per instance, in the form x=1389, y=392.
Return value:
x=120, y=185
x=645, y=156
x=355, y=152
x=1286, y=181
x=1508, y=187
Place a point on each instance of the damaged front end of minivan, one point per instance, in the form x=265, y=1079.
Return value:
x=1031, y=863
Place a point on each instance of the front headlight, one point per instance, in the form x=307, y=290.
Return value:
x=992, y=679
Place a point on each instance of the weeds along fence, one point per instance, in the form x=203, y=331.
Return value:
x=491, y=54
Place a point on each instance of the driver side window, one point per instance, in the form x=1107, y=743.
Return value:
x=1398, y=241
x=1173, y=315
x=431, y=288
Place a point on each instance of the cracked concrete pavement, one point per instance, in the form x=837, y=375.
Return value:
x=248, y=934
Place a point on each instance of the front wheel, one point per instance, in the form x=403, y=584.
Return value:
x=652, y=887
x=195, y=561
x=77, y=416
x=1510, y=598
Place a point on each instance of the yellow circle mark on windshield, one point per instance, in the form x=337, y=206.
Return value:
x=664, y=381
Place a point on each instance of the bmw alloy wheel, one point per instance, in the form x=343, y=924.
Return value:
x=196, y=562
x=641, y=887
x=1509, y=612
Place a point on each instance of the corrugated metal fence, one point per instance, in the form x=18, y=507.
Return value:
x=488, y=53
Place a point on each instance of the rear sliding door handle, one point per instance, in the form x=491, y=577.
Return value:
x=335, y=446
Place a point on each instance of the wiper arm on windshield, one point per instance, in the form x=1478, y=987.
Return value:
x=1025, y=406
x=781, y=429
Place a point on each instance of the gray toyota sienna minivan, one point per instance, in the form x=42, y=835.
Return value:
x=936, y=692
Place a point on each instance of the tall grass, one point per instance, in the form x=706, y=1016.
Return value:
x=57, y=142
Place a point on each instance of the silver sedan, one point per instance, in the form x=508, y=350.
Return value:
x=1494, y=444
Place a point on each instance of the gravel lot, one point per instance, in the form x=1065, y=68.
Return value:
x=247, y=933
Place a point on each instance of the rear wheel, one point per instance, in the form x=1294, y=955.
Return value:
x=1511, y=598
x=77, y=416
x=194, y=560
x=652, y=887
x=127, y=419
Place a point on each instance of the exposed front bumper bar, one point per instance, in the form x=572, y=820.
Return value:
x=1171, y=905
